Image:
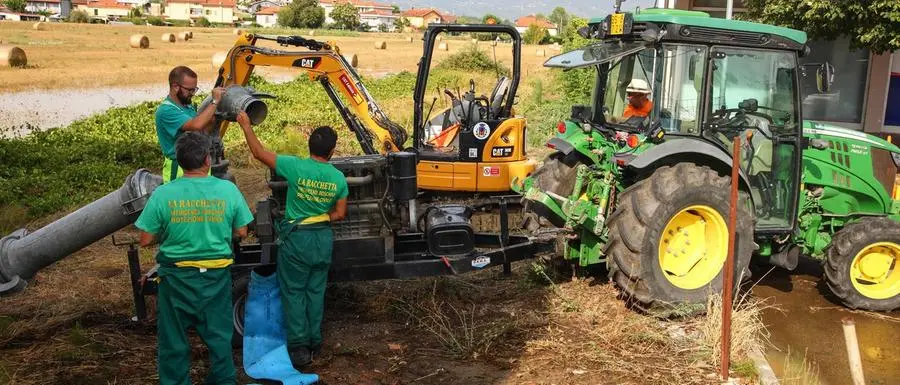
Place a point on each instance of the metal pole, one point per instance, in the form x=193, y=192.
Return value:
x=504, y=235
x=729, y=9
x=728, y=272
x=856, y=370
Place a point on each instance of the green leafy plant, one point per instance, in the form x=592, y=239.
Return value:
x=203, y=22
x=79, y=16
x=471, y=58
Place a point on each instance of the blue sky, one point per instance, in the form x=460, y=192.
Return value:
x=511, y=9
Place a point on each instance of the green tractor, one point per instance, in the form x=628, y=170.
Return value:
x=639, y=179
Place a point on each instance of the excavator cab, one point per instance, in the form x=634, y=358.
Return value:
x=476, y=144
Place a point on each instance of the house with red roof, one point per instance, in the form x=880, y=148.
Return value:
x=268, y=16
x=8, y=14
x=105, y=10
x=421, y=17
x=524, y=22
x=216, y=11
x=371, y=13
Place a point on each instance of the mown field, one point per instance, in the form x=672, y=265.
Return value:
x=539, y=326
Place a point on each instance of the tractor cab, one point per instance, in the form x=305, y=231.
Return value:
x=687, y=88
x=465, y=133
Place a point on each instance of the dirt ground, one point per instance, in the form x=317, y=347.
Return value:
x=97, y=55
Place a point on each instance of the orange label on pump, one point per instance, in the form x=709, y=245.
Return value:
x=351, y=89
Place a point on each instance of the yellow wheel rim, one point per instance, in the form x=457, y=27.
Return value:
x=693, y=247
x=875, y=272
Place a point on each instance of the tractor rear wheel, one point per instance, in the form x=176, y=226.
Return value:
x=668, y=240
x=862, y=265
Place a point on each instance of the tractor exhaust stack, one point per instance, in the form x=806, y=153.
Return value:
x=22, y=253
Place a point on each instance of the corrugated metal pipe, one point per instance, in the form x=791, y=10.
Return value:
x=22, y=253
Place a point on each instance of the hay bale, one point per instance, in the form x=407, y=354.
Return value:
x=474, y=41
x=540, y=53
x=140, y=41
x=380, y=44
x=443, y=47
x=352, y=59
x=12, y=56
x=409, y=39
x=184, y=36
x=218, y=59
x=168, y=37
x=312, y=32
x=440, y=38
x=39, y=26
x=238, y=32
x=190, y=34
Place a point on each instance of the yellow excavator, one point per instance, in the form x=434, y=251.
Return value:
x=475, y=146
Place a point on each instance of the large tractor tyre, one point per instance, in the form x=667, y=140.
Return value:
x=862, y=265
x=668, y=240
x=556, y=175
x=239, y=292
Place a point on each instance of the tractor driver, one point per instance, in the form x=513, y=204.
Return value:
x=317, y=195
x=639, y=103
x=176, y=114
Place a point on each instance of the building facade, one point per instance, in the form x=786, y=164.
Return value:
x=216, y=11
x=370, y=13
x=267, y=17
x=421, y=17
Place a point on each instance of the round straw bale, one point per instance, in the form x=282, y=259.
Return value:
x=168, y=37
x=190, y=34
x=183, y=36
x=440, y=38
x=218, y=59
x=540, y=52
x=11, y=56
x=474, y=41
x=238, y=32
x=140, y=41
x=39, y=26
x=443, y=47
x=381, y=44
x=312, y=32
x=409, y=39
x=352, y=59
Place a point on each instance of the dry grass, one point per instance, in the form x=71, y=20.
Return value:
x=799, y=370
x=94, y=55
x=748, y=331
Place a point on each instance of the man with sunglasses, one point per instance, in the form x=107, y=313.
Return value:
x=177, y=114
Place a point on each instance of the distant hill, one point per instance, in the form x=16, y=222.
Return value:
x=512, y=9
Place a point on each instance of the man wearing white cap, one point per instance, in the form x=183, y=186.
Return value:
x=639, y=104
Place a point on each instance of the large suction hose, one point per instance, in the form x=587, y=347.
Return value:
x=22, y=253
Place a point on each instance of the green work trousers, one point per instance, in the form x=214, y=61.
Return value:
x=304, y=257
x=189, y=297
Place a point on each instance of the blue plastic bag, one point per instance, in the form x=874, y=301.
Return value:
x=265, y=343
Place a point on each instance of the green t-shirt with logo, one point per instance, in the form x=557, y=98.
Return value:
x=170, y=116
x=193, y=218
x=313, y=187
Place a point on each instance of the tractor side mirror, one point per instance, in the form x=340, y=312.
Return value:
x=824, y=77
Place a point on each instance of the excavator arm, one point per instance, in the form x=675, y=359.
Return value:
x=324, y=63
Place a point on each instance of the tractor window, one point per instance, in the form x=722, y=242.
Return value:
x=629, y=91
x=679, y=81
x=753, y=96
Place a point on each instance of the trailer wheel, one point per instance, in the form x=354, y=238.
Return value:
x=239, y=292
x=862, y=265
x=668, y=240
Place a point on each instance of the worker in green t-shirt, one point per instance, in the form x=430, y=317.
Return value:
x=194, y=218
x=176, y=114
x=317, y=195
